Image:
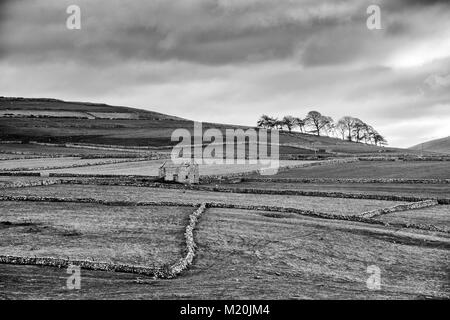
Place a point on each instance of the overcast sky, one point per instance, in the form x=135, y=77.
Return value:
x=232, y=60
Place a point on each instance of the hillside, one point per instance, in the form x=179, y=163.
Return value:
x=439, y=145
x=57, y=121
x=53, y=108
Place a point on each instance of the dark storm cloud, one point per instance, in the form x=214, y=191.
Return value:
x=209, y=32
x=206, y=31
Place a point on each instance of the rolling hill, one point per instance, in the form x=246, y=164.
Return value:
x=57, y=121
x=439, y=145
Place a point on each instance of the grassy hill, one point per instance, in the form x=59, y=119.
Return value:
x=439, y=145
x=28, y=107
x=56, y=121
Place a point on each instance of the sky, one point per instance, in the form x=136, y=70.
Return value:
x=230, y=61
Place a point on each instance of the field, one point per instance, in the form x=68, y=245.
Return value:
x=148, y=236
x=151, y=167
x=438, y=215
x=18, y=149
x=42, y=163
x=338, y=206
x=315, y=230
x=148, y=129
x=400, y=189
x=300, y=247
x=247, y=255
x=374, y=169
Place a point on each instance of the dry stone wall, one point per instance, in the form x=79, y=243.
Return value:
x=187, y=260
x=25, y=184
x=400, y=207
x=347, y=180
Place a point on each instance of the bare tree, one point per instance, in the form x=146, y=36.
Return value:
x=278, y=124
x=379, y=139
x=266, y=121
x=300, y=123
x=341, y=128
x=289, y=122
x=359, y=129
x=348, y=124
x=317, y=122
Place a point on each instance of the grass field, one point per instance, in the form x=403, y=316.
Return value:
x=129, y=235
x=53, y=162
x=437, y=215
x=246, y=255
x=374, y=169
x=151, y=167
x=142, y=194
x=47, y=150
x=400, y=189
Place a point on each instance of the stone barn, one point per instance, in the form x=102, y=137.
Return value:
x=186, y=172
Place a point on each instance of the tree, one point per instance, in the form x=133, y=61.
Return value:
x=347, y=124
x=300, y=123
x=341, y=128
x=278, y=124
x=266, y=121
x=359, y=130
x=262, y=121
x=289, y=122
x=379, y=139
x=350, y=128
x=318, y=122
x=330, y=127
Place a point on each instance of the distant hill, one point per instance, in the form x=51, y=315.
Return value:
x=57, y=121
x=53, y=108
x=439, y=145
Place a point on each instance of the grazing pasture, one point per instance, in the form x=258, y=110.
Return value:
x=142, y=194
x=150, y=235
x=36, y=149
x=249, y=255
x=401, y=189
x=373, y=169
x=437, y=215
x=151, y=167
x=30, y=164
